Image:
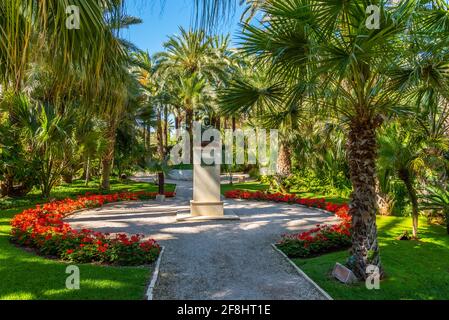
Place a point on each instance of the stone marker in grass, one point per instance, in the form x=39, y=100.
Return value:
x=343, y=274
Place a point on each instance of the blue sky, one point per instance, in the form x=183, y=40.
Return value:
x=161, y=18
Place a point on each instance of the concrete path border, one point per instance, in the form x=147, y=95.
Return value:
x=155, y=276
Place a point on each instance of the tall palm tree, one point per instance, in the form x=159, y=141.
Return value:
x=256, y=94
x=191, y=64
x=328, y=41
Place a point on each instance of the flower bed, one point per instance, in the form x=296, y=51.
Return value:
x=322, y=239
x=43, y=228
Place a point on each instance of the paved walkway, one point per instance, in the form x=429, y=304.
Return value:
x=215, y=260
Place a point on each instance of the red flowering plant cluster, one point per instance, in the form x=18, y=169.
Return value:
x=321, y=239
x=43, y=228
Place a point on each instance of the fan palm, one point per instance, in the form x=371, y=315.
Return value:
x=256, y=94
x=402, y=152
x=328, y=41
x=437, y=198
x=47, y=135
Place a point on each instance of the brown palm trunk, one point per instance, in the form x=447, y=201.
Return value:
x=161, y=183
x=145, y=146
x=362, y=153
x=87, y=172
x=7, y=186
x=166, y=129
x=405, y=177
x=189, y=126
x=108, y=156
x=189, y=122
x=284, y=165
x=160, y=138
x=217, y=121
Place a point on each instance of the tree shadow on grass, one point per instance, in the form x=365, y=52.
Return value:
x=27, y=276
x=416, y=270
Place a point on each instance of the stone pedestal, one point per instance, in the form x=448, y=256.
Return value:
x=206, y=192
x=206, y=203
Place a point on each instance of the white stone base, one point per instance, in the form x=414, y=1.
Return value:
x=229, y=215
x=160, y=198
x=214, y=209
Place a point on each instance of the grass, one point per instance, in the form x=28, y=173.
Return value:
x=415, y=270
x=257, y=186
x=27, y=276
x=247, y=186
x=64, y=191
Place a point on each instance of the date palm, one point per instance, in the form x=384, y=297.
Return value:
x=192, y=62
x=254, y=93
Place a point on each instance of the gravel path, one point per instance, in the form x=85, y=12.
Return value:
x=215, y=260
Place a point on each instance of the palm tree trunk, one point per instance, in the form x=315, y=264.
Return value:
x=405, y=177
x=189, y=126
x=166, y=129
x=284, y=165
x=108, y=156
x=145, y=146
x=217, y=122
x=7, y=185
x=189, y=121
x=86, y=182
x=362, y=153
x=160, y=137
x=161, y=183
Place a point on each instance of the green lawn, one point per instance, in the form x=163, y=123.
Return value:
x=414, y=269
x=27, y=276
x=76, y=188
x=247, y=186
x=257, y=186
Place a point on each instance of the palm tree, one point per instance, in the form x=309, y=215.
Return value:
x=437, y=198
x=118, y=86
x=402, y=153
x=330, y=43
x=47, y=135
x=256, y=94
x=27, y=25
x=193, y=63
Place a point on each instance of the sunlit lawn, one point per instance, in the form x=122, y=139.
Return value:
x=414, y=269
x=258, y=186
x=78, y=187
x=27, y=276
